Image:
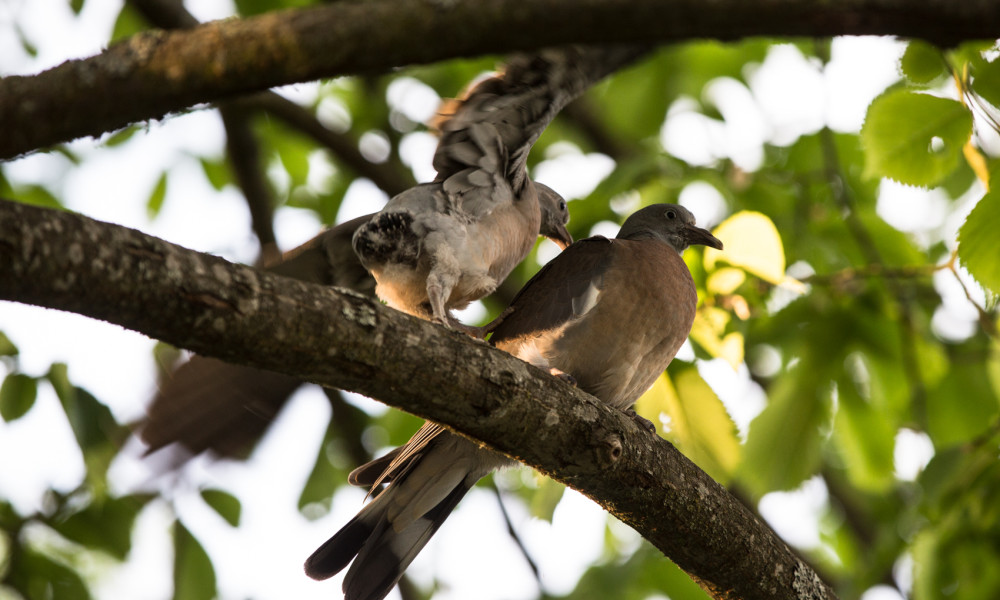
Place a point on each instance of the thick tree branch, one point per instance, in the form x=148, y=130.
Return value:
x=154, y=73
x=69, y=262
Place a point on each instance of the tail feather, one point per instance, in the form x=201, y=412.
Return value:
x=384, y=557
x=330, y=558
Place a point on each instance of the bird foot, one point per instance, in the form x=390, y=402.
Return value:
x=562, y=375
x=641, y=421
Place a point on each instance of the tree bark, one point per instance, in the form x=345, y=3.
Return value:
x=336, y=338
x=155, y=73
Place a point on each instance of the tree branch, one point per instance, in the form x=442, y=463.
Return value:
x=201, y=302
x=154, y=73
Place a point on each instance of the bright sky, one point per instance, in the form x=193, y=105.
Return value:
x=788, y=95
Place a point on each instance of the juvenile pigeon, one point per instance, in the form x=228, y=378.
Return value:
x=209, y=404
x=610, y=314
x=440, y=245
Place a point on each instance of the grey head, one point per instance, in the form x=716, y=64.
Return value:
x=670, y=223
x=555, y=215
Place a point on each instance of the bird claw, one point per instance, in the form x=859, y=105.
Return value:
x=563, y=376
x=641, y=421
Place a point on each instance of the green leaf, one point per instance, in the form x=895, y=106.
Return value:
x=121, y=136
x=37, y=576
x=217, y=173
x=699, y=424
x=922, y=62
x=194, y=576
x=986, y=81
x=963, y=406
x=104, y=524
x=156, y=197
x=97, y=432
x=76, y=6
x=545, y=500
x=865, y=439
x=224, y=503
x=783, y=444
x=17, y=396
x=977, y=242
x=129, y=22
x=915, y=139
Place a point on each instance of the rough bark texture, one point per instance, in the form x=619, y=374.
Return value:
x=203, y=303
x=154, y=73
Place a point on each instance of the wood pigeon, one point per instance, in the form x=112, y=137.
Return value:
x=440, y=245
x=609, y=314
x=209, y=404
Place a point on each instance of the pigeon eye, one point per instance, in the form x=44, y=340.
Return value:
x=562, y=205
x=671, y=214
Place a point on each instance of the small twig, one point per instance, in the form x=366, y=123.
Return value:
x=517, y=538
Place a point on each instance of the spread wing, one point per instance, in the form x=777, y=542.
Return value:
x=484, y=145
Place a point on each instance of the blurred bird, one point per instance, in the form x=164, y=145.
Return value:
x=607, y=314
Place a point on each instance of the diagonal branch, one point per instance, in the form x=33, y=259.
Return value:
x=201, y=302
x=155, y=73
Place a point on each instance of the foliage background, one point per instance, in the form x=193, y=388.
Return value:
x=842, y=352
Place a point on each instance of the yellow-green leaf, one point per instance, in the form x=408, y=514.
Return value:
x=698, y=422
x=752, y=243
x=17, y=396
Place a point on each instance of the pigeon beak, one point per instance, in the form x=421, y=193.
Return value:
x=560, y=235
x=697, y=235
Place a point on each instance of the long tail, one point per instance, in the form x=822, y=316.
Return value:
x=386, y=535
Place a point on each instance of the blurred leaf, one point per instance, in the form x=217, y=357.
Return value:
x=963, y=406
x=156, y=197
x=97, y=432
x=194, y=576
x=922, y=62
x=725, y=280
x=38, y=195
x=986, y=81
x=76, y=6
x=915, y=139
x=699, y=424
x=646, y=574
x=224, y=503
x=977, y=242
x=129, y=22
x=217, y=172
x=545, y=500
x=865, y=439
x=709, y=332
x=121, y=136
x=751, y=242
x=104, y=524
x=783, y=444
x=17, y=396
x=39, y=577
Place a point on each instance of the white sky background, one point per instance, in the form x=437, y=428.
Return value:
x=787, y=97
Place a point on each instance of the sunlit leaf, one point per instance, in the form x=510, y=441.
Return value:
x=708, y=331
x=725, y=280
x=977, y=242
x=194, y=575
x=36, y=575
x=17, y=396
x=227, y=505
x=913, y=138
x=752, y=243
x=698, y=422
x=977, y=162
